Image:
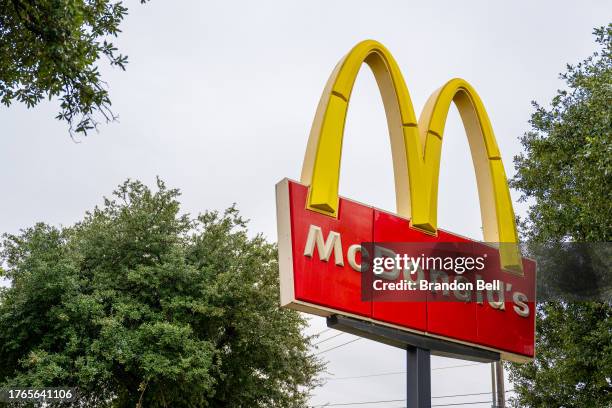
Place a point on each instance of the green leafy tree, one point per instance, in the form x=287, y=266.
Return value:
x=51, y=48
x=566, y=167
x=138, y=305
x=566, y=170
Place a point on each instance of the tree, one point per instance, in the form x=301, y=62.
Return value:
x=573, y=360
x=566, y=167
x=51, y=48
x=566, y=170
x=137, y=304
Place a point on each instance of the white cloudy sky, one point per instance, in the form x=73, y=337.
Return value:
x=218, y=100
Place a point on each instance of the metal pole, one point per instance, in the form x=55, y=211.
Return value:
x=498, y=392
x=493, y=386
x=418, y=378
x=501, y=388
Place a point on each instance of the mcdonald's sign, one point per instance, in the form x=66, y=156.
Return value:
x=321, y=235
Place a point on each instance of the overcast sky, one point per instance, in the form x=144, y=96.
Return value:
x=218, y=100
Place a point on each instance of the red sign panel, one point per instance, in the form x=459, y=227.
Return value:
x=320, y=257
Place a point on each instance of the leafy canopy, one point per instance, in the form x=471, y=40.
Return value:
x=566, y=169
x=573, y=361
x=138, y=304
x=51, y=48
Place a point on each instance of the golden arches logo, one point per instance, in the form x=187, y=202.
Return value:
x=416, y=148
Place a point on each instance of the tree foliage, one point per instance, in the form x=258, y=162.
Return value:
x=566, y=170
x=566, y=167
x=573, y=364
x=51, y=48
x=138, y=304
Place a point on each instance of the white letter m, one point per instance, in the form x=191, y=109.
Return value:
x=315, y=235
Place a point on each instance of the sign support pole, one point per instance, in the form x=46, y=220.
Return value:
x=418, y=348
x=498, y=386
x=418, y=378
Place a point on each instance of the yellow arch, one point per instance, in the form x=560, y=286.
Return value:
x=416, y=147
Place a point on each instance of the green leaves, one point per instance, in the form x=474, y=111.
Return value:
x=567, y=163
x=566, y=169
x=140, y=304
x=573, y=358
x=51, y=48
